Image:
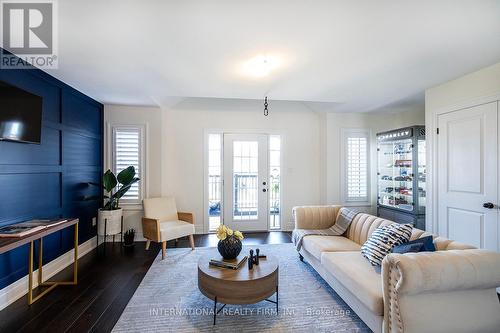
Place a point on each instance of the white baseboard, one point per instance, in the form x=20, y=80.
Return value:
x=138, y=237
x=18, y=289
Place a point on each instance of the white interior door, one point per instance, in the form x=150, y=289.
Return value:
x=467, y=176
x=246, y=181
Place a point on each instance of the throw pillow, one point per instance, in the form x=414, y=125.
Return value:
x=426, y=244
x=408, y=247
x=383, y=239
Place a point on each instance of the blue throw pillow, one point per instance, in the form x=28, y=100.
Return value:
x=424, y=244
x=428, y=243
x=407, y=247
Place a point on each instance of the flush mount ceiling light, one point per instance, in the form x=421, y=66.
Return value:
x=260, y=65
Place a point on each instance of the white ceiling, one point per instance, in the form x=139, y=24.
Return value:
x=345, y=56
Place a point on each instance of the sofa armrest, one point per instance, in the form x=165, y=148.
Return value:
x=457, y=276
x=186, y=217
x=442, y=271
x=151, y=229
x=315, y=217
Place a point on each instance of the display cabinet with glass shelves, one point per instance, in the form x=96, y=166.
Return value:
x=401, y=187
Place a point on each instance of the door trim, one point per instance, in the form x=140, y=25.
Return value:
x=283, y=176
x=431, y=124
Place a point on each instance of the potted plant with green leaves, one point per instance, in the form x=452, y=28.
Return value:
x=115, y=188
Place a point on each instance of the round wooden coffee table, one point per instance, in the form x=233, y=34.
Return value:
x=241, y=286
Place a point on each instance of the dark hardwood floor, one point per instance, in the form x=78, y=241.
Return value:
x=107, y=279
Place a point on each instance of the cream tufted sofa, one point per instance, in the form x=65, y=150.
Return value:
x=450, y=290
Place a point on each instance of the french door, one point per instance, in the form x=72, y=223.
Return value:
x=246, y=174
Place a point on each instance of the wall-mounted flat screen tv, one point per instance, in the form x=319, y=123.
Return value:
x=20, y=115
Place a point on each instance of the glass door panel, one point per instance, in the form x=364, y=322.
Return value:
x=245, y=180
x=246, y=185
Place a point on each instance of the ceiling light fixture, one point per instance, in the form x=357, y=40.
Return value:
x=266, y=104
x=260, y=66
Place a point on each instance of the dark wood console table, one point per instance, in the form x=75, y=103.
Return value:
x=7, y=244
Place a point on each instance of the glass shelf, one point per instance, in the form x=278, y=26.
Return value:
x=421, y=175
x=395, y=160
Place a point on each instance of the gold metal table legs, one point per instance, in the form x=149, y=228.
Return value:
x=50, y=284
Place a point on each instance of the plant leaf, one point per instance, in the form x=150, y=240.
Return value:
x=110, y=205
x=121, y=192
x=109, y=181
x=126, y=175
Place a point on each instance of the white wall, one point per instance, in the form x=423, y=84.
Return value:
x=476, y=85
x=184, y=127
x=375, y=122
x=472, y=89
x=311, y=148
x=151, y=118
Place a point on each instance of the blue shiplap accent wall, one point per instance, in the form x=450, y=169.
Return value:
x=49, y=180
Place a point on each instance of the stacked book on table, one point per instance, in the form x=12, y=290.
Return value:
x=27, y=228
x=229, y=264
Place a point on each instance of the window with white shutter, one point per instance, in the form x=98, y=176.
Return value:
x=356, y=167
x=127, y=150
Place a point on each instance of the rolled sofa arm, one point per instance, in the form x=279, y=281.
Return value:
x=444, y=270
x=445, y=288
x=315, y=217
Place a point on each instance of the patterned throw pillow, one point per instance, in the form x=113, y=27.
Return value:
x=383, y=239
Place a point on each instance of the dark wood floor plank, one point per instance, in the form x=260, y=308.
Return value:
x=21, y=314
x=101, y=304
x=73, y=301
x=108, y=277
x=70, y=312
x=109, y=318
x=70, y=298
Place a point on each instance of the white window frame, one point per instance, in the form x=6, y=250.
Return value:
x=206, y=217
x=280, y=183
x=357, y=133
x=130, y=203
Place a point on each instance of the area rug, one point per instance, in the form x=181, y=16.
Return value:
x=168, y=300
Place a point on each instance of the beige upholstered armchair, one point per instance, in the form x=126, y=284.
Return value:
x=162, y=222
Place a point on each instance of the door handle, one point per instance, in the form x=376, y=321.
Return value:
x=488, y=205
x=264, y=190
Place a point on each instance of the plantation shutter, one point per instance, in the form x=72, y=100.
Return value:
x=127, y=151
x=357, y=168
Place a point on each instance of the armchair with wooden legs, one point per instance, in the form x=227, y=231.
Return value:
x=162, y=222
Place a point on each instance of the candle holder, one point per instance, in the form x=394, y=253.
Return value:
x=253, y=259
